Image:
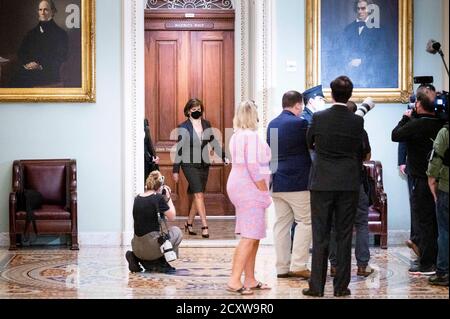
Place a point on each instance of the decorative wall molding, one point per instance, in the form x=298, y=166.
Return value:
x=260, y=45
x=445, y=41
x=133, y=107
x=189, y=4
x=242, y=35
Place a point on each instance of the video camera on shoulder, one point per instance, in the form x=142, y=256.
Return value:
x=441, y=101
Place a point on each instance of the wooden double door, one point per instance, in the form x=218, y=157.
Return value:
x=190, y=58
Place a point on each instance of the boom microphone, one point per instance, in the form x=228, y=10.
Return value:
x=433, y=46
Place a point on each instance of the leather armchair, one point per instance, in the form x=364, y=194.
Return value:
x=56, y=180
x=378, y=218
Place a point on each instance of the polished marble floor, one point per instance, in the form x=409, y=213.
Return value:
x=219, y=229
x=101, y=272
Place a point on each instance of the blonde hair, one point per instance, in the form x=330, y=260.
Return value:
x=154, y=181
x=246, y=116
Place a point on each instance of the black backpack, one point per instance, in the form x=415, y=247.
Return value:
x=29, y=200
x=445, y=159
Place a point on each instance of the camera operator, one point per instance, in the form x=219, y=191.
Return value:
x=145, y=244
x=438, y=182
x=417, y=129
x=413, y=241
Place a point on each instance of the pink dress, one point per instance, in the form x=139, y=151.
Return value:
x=250, y=163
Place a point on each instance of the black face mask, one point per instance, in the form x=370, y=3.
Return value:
x=196, y=115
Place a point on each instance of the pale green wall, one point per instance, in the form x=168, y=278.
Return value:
x=290, y=39
x=89, y=133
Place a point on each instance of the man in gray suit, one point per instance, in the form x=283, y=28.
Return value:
x=336, y=136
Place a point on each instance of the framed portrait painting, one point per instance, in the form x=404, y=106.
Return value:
x=370, y=41
x=48, y=51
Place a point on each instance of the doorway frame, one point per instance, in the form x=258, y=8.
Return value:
x=254, y=76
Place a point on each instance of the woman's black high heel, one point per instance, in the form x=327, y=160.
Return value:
x=205, y=235
x=188, y=229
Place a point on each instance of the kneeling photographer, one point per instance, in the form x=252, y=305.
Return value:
x=418, y=128
x=154, y=244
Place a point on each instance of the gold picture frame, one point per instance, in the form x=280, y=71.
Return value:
x=314, y=64
x=76, y=73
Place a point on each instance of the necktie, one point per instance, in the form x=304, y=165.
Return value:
x=361, y=24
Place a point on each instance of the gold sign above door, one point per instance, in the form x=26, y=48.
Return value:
x=189, y=25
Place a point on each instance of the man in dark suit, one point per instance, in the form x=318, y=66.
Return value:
x=314, y=101
x=336, y=135
x=42, y=51
x=291, y=164
x=363, y=50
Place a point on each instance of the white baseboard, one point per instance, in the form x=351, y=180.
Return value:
x=84, y=239
x=126, y=238
x=100, y=239
x=396, y=237
x=4, y=239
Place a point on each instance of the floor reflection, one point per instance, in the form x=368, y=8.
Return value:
x=101, y=272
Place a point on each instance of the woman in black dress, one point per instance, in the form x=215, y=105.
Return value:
x=194, y=135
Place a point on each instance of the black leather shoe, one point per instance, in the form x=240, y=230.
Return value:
x=342, y=293
x=439, y=280
x=165, y=267
x=309, y=292
x=133, y=264
x=150, y=265
x=169, y=270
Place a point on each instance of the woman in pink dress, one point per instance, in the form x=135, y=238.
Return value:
x=248, y=190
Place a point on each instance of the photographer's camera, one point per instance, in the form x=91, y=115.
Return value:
x=441, y=98
x=167, y=248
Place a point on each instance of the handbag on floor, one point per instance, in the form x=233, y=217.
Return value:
x=29, y=200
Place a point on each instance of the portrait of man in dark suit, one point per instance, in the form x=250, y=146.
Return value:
x=41, y=44
x=360, y=40
x=42, y=51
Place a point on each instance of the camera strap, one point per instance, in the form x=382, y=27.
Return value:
x=162, y=221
